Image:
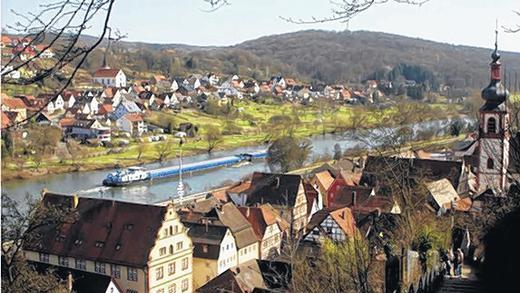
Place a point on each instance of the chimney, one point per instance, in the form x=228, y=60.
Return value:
x=248, y=212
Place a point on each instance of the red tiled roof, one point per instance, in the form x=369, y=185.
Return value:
x=105, y=109
x=6, y=39
x=342, y=216
x=13, y=103
x=106, y=72
x=66, y=122
x=104, y=230
x=134, y=117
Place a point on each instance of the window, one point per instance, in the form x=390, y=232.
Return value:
x=162, y=251
x=81, y=264
x=63, y=261
x=492, y=125
x=176, y=229
x=44, y=257
x=171, y=230
x=185, y=285
x=171, y=249
x=490, y=163
x=99, y=267
x=165, y=234
x=205, y=248
x=179, y=245
x=159, y=274
x=185, y=263
x=171, y=268
x=172, y=288
x=132, y=274
x=115, y=271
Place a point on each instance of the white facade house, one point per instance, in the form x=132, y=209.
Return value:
x=132, y=123
x=110, y=77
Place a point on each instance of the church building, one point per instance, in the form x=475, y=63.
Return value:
x=494, y=132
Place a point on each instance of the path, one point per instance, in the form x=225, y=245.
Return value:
x=469, y=283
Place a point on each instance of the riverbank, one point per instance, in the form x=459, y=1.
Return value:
x=307, y=125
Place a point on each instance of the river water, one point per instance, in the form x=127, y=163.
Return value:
x=89, y=183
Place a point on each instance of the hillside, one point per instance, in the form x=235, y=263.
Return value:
x=313, y=55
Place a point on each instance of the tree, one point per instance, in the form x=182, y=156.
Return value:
x=44, y=139
x=339, y=267
x=213, y=136
x=288, y=153
x=164, y=149
x=19, y=225
x=325, y=109
x=337, y=152
x=141, y=148
x=75, y=151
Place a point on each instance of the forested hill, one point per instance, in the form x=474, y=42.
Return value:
x=316, y=55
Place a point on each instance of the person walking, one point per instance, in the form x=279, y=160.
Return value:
x=458, y=261
x=447, y=258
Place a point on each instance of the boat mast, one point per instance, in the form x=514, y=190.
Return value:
x=180, y=186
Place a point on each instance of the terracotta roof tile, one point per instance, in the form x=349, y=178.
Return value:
x=106, y=72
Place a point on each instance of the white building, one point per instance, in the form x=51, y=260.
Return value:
x=110, y=77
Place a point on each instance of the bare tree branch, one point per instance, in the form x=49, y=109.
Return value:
x=345, y=10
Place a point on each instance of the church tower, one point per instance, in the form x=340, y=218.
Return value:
x=494, y=120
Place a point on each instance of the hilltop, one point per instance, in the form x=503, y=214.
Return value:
x=313, y=55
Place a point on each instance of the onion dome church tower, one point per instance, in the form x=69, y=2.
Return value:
x=494, y=134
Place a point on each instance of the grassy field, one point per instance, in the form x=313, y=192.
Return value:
x=252, y=121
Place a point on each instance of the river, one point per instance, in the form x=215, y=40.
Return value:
x=88, y=183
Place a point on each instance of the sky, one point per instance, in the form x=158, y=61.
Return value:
x=460, y=22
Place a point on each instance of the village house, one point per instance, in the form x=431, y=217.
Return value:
x=252, y=276
x=336, y=224
x=89, y=129
x=284, y=192
x=112, y=95
x=132, y=123
x=269, y=228
x=110, y=77
x=145, y=248
x=228, y=215
x=14, y=105
x=322, y=182
x=125, y=107
x=441, y=193
x=53, y=103
x=420, y=170
x=86, y=104
x=214, y=251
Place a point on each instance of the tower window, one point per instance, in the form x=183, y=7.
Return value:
x=490, y=164
x=492, y=125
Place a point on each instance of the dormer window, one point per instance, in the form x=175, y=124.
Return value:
x=100, y=244
x=492, y=125
x=118, y=246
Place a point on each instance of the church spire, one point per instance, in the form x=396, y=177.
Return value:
x=495, y=93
